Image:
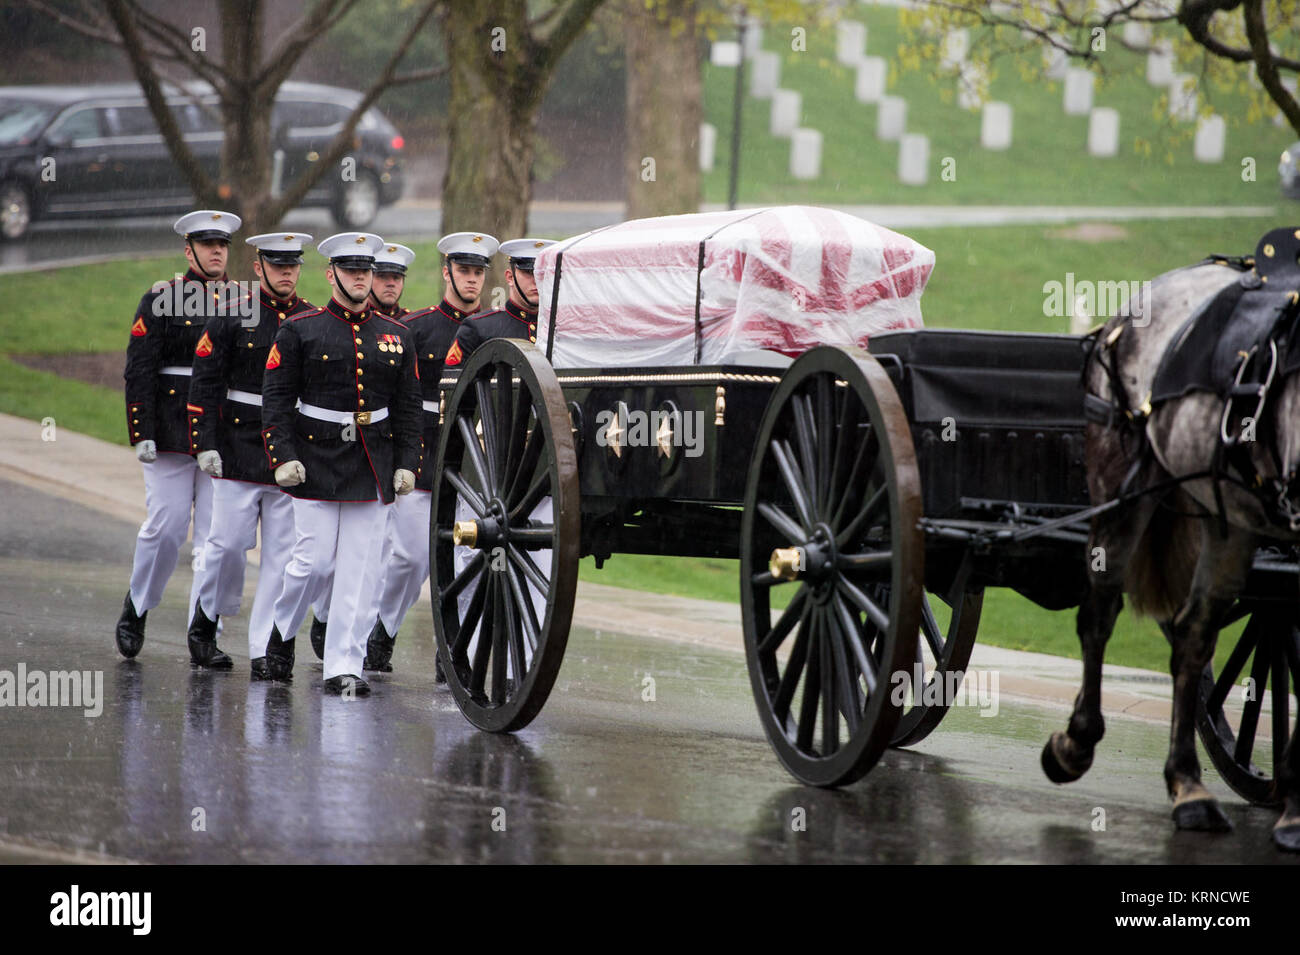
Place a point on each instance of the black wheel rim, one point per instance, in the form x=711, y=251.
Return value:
x=1268, y=655
x=505, y=448
x=833, y=473
x=943, y=651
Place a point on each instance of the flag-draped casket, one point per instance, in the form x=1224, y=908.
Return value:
x=709, y=287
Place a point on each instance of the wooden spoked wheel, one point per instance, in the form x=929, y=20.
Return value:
x=942, y=653
x=830, y=518
x=503, y=535
x=1264, y=665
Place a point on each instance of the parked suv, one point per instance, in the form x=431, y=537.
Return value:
x=70, y=151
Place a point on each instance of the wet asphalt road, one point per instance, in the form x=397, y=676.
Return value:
x=185, y=766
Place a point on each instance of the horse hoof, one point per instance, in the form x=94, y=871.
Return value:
x=1201, y=815
x=1053, y=767
x=1287, y=838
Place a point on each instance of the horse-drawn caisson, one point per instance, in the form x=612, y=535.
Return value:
x=871, y=496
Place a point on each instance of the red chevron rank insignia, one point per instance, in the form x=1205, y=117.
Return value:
x=138, y=330
x=273, y=359
x=455, y=355
x=204, y=348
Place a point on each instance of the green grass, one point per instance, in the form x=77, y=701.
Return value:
x=1047, y=162
x=984, y=278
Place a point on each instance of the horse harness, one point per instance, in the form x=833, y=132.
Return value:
x=1239, y=344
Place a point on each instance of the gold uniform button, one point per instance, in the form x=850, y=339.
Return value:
x=281, y=314
x=135, y=434
x=195, y=433
x=356, y=328
x=358, y=341
x=236, y=421
x=360, y=356
x=250, y=344
x=311, y=437
x=135, y=420
x=361, y=401
x=275, y=460
x=324, y=357
x=360, y=386
x=270, y=447
x=171, y=391
x=361, y=371
x=188, y=322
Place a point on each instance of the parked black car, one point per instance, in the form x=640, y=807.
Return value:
x=73, y=151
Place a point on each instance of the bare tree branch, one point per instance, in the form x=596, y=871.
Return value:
x=179, y=43
x=343, y=141
x=555, y=42
x=189, y=164
x=419, y=76
x=1266, y=63
x=289, y=48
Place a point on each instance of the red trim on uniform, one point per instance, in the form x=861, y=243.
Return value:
x=266, y=433
x=195, y=408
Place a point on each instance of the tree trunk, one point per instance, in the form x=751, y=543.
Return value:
x=244, y=180
x=664, y=109
x=494, y=94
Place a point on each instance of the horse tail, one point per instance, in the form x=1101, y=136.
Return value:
x=1164, y=561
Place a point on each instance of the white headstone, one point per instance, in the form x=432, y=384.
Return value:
x=1211, y=136
x=913, y=159
x=1137, y=33
x=765, y=75
x=708, y=146
x=1103, y=132
x=1160, y=65
x=753, y=38
x=1078, y=91
x=725, y=53
x=891, y=117
x=956, y=44
x=1055, y=62
x=787, y=106
x=850, y=41
x=1182, y=97
x=995, y=126
x=806, y=154
x=873, y=72
x=972, y=84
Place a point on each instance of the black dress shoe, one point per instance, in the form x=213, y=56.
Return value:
x=318, y=637
x=257, y=669
x=279, y=658
x=347, y=685
x=130, y=629
x=202, y=639
x=379, y=649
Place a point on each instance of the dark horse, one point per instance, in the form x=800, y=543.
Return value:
x=1180, y=555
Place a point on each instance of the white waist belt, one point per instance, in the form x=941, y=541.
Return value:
x=430, y=406
x=344, y=417
x=176, y=370
x=244, y=397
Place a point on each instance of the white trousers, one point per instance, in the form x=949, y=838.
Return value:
x=237, y=506
x=320, y=608
x=174, y=489
x=338, y=542
x=407, y=567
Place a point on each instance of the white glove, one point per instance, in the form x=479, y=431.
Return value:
x=290, y=474
x=403, y=481
x=146, y=452
x=210, y=462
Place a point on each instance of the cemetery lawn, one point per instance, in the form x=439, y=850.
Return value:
x=985, y=277
x=1047, y=163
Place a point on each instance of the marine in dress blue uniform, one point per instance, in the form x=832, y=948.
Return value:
x=391, y=264
x=226, y=394
x=518, y=318
x=167, y=327
x=341, y=429
x=466, y=259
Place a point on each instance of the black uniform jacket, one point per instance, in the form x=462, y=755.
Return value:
x=231, y=355
x=167, y=326
x=432, y=332
x=397, y=312
x=341, y=360
x=509, y=322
